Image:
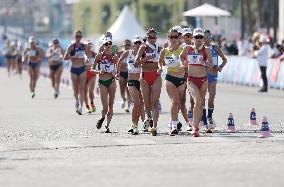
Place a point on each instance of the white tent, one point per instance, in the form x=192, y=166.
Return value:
x=125, y=27
x=206, y=10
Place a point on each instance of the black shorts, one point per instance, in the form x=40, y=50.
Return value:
x=135, y=83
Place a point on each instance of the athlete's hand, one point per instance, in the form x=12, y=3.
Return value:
x=159, y=71
x=219, y=68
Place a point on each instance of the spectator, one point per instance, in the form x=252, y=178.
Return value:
x=262, y=58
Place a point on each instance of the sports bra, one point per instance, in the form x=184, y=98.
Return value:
x=90, y=59
x=56, y=54
x=106, y=63
x=32, y=52
x=196, y=57
x=130, y=63
x=78, y=51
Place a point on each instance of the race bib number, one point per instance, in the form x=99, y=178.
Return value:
x=195, y=59
x=107, y=67
x=132, y=68
x=153, y=57
x=80, y=54
x=171, y=60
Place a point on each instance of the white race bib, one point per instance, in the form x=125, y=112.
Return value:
x=80, y=54
x=31, y=53
x=195, y=59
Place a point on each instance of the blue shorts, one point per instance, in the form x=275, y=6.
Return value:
x=78, y=71
x=212, y=78
x=33, y=65
x=124, y=74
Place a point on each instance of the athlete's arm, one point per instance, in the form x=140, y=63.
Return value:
x=24, y=56
x=161, y=61
x=183, y=56
x=67, y=53
x=115, y=59
x=224, y=59
x=138, y=60
x=48, y=53
x=94, y=65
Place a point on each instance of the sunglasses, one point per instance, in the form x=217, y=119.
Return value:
x=127, y=45
x=78, y=36
x=187, y=36
x=138, y=43
x=55, y=42
x=209, y=37
x=198, y=37
x=173, y=37
x=152, y=37
x=108, y=43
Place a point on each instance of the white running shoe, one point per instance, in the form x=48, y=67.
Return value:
x=211, y=123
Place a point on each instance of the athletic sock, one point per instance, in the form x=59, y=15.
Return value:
x=210, y=112
x=204, y=118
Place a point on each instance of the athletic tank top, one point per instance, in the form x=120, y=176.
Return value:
x=152, y=52
x=196, y=57
x=172, y=59
x=106, y=63
x=78, y=51
x=130, y=63
x=214, y=55
x=56, y=54
x=90, y=59
x=32, y=52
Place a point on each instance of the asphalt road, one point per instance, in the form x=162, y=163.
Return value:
x=43, y=142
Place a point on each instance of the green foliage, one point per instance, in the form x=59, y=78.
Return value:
x=93, y=18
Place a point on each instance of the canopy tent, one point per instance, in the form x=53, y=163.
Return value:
x=125, y=27
x=206, y=10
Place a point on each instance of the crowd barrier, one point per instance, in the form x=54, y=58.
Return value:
x=245, y=71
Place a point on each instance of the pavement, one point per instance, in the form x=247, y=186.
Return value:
x=43, y=142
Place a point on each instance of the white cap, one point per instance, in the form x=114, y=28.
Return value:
x=198, y=31
x=178, y=29
x=31, y=39
x=137, y=38
x=186, y=31
x=106, y=40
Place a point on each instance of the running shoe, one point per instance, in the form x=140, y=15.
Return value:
x=135, y=130
x=79, y=111
x=93, y=108
x=211, y=123
x=179, y=126
x=89, y=111
x=173, y=132
x=107, y=129
x=130, y=130
x=56, y=95
x=100, y=123
x=195, y=132
x=208, y=130
x=33, y=94
x=147, y=124
x=153, y=131
x=127, y=110
x=188, y=127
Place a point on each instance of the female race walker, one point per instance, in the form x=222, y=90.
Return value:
x=107, y=69
x=76, y=53
x=54, y=54
x=151, y=82
x=212, y=76
x=196, y=57
x=175, y=81
x=91, y=78
x=134, y=83
x=33, y=55
x=123, y=77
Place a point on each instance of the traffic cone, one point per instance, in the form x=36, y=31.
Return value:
x=264, y=130
x=252, y=118
x=231, y=124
